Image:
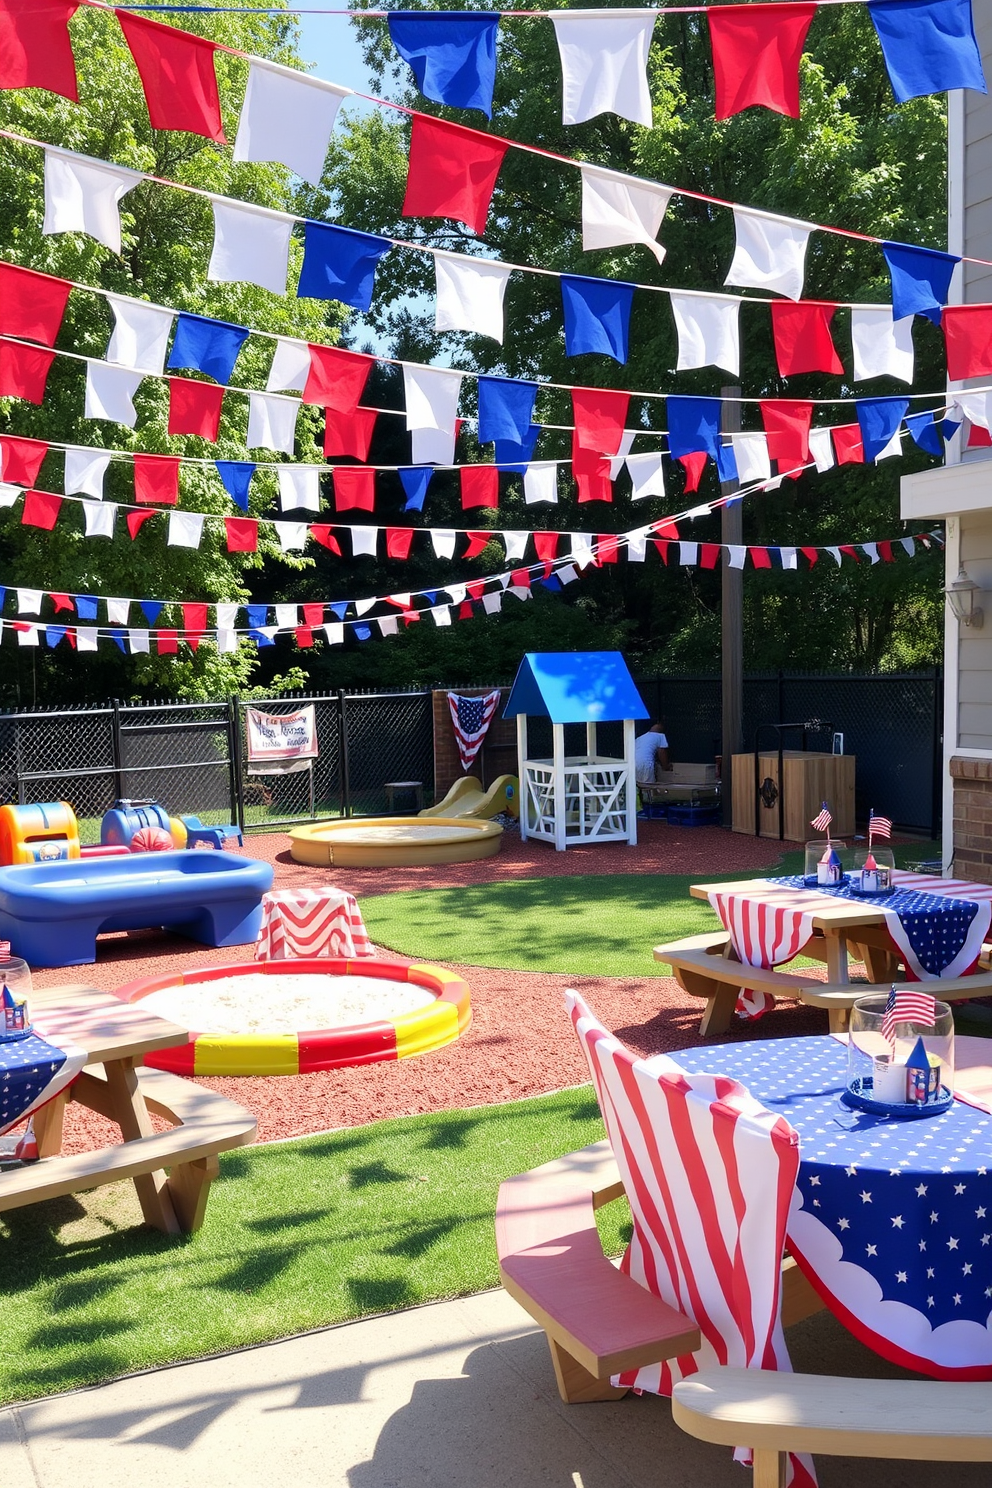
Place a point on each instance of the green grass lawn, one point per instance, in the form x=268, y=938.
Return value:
x=297, y=1235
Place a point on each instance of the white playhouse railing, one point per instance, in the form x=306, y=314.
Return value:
x=571, y=799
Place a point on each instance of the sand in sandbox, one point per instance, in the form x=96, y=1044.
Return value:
x=284, y=1003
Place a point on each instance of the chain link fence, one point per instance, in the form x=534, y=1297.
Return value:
x=192, y=757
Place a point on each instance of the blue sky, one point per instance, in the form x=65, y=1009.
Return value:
x=331, y=42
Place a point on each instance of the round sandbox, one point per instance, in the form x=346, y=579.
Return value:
x=400, y=841
x=293, y=1017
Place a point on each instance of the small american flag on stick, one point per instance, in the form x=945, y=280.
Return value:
x=878, y=826
x=821, y=823
x=907, y=1007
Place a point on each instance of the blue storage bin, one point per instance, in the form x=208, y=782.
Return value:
x=127, y=817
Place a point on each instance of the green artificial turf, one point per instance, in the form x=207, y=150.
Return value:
x=589, y=925
x=297, y=1235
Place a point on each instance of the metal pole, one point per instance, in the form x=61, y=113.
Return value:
x=115, y=734
x=732, y=623
x=237, y=774
x=343, y=755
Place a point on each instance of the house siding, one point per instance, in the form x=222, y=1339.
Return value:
x=975, y=646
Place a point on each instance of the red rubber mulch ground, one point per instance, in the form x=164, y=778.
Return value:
x=520, y=1043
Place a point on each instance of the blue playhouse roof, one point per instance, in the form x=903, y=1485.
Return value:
x=575, y=687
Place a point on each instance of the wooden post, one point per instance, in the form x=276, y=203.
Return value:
x=731, y=621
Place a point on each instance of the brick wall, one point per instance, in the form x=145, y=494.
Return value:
x=498, y=755
x=972, y=818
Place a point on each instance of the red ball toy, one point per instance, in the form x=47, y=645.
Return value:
x=151, y=839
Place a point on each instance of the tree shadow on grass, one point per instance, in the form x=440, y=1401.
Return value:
x=58, y=1335
x=366, y=1175
x=380, y=1293
x=256, y=1270
x=271, y=1223
x=420, y=1239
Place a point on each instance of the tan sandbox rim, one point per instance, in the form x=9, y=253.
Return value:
x=403, y=841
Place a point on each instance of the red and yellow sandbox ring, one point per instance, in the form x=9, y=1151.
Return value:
x=325, y=1048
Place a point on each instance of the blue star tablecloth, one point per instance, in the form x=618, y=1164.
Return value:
x=32, y=1072
x=937, y=935
x=892, y=1218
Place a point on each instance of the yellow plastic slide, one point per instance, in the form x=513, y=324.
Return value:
x=468, y=798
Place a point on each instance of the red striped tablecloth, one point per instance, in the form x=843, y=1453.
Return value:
x=311, y=922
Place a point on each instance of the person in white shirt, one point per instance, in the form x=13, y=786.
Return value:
x=651, y=754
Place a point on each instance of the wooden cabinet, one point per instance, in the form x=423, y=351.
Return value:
x=808, y=779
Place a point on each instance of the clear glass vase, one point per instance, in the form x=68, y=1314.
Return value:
x=873, y=869
x=907, y=1062
x=827, y=863
x=15, y=989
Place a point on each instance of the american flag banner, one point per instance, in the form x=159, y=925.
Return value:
x=710, y=1175
x=470, y=718
x=33, y=1072
x=907, y=1007
x=878, y=826
x=311, y=922
x=822, y=821
x=764, y=931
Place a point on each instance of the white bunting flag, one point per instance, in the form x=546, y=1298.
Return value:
x=751, y=454
x=636, y=547
x=268, y=631
x=519, y=591
x=883, y=347
x=299, y=487
x=431, y=398
x=618, y=460
x=251, y=246
x=688, y=554
x=582, y=548
x=617, y=211
x=227, y=640
x=403, y=600
x=770, y=254
x=457, y=593
x=334, y=633
x=442, y=614
x=647, y=475
x=567, y=574
x=29, y=601
x=363, y=541
x=362, y=606
x=699, y=511
x=709, y=331
x=85, y=470
x=470, y=295
x=788, y=557
x=736, y=555
x=821, y=448
x=83, y=195
x=86, y=637
x=100, y=519
x=493, y=603
x=9, y=494
x=137, y=641
x=443, y=539
x=140, y=338
x=871, y=549
x=432, y=447
x=185, y=529
x=973, y=406
x=292, y=535
x=516, y=544
x=287, y=117
x=388, y=624
x=290, y=366
x=118, y=611
x=287, y=616
x=604, y=61
x=541, y=482
x=110, y=393
x=227, y=616
x=272, y=422
x=28, y=636
x=893, y=448
x=835, y=555
x=908, y=545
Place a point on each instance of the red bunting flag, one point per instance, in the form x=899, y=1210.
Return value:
x=41, y=509
x=167, y=642
x=520, y=578
x=337, y=378
x=607, y=548
x=885, y=552
x=452, y=172
x=592, y=474
x=803, y=342
x=546, y=547
x=177, y=76
x=850, y=550
x=812, y=554
x=242, y=534
x=667, y=530
x=787, y=424
x=137, y=519
x=35, y=50
x=479, y=487
x=313, y=614
x=848, y=444
x=600, y=415
x=348, y=434
x=760, y=557
x=31, y=305
x=398, y=540
x=465, y=611
x=756, y=52
x=156, y=479
x=978, y=438
x=476, y=589
x=194, y=407
x=693, y=464
x=304, y=637
x=21, y=459
x=24, y=371
x=62, y=602
x=354, y=488
x=410, y=617
x=194, y=618
x=968, y=337
x=662, y=545
x=709, y=555
x=476, y=542
x=325, y=536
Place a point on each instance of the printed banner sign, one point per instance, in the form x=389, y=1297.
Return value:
x=281, y=743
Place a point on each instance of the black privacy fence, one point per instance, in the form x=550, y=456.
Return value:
x=192, y=757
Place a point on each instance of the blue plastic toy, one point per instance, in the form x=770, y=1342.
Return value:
x=196, y=832
x=127, y=817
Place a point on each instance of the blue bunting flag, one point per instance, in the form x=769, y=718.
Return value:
x=86, y=606
x=209, y=346
x=340, y=264
x=929, y=46
x=451, y=54
x=515, y=455
x=151, y=609
x=257, y=615
x=597, y=315
x=415, y=479
x=236, y=475
x=921, y=279
x=506, y=407
x=879, y=419
x=926, y=432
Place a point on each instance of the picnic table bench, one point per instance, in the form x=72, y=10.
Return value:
x=116, y=1035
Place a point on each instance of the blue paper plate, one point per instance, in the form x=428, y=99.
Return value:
x=811, y=883
x=858, y=1096
x=871, y=893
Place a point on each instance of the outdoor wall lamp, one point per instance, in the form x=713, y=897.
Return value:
x=962, y=596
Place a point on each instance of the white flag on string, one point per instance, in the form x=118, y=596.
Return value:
x=770, y=253
x=299, y=487
x=582, y=548
x=431, y=398
x=617, y=211
x=100, y=519
x=363, y=541
x=288, y=117
x=185, y=529
x=647, y=475
x=292, y=535
x=974, y=407
x=140, y=338
x=118, y=611
x=362, y=606
x=83, y=195
x=688, y=554
x=709, y=331
x=442, y=614
x=821, y=448
x=290, y=366
x=227, y=616
x=29, y=601
x=493, y=603
x=516, y=545
x=251, y=246
x=86, y=637
x=736, y=554
x=789, y=558
x=470, y=294
x=541, y=482
x=883, y=347
x=137, y=641
x=334, y=633
x=272, y=422
x=287, y=615
x=604, y=61
x=432, y=447
x=227, y=640
x=85, y=470
x=110, y=393
x=751, y=455
x=443, y=539
x=387, y=625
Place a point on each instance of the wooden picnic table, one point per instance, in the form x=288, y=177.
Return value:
x=115, y=1037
